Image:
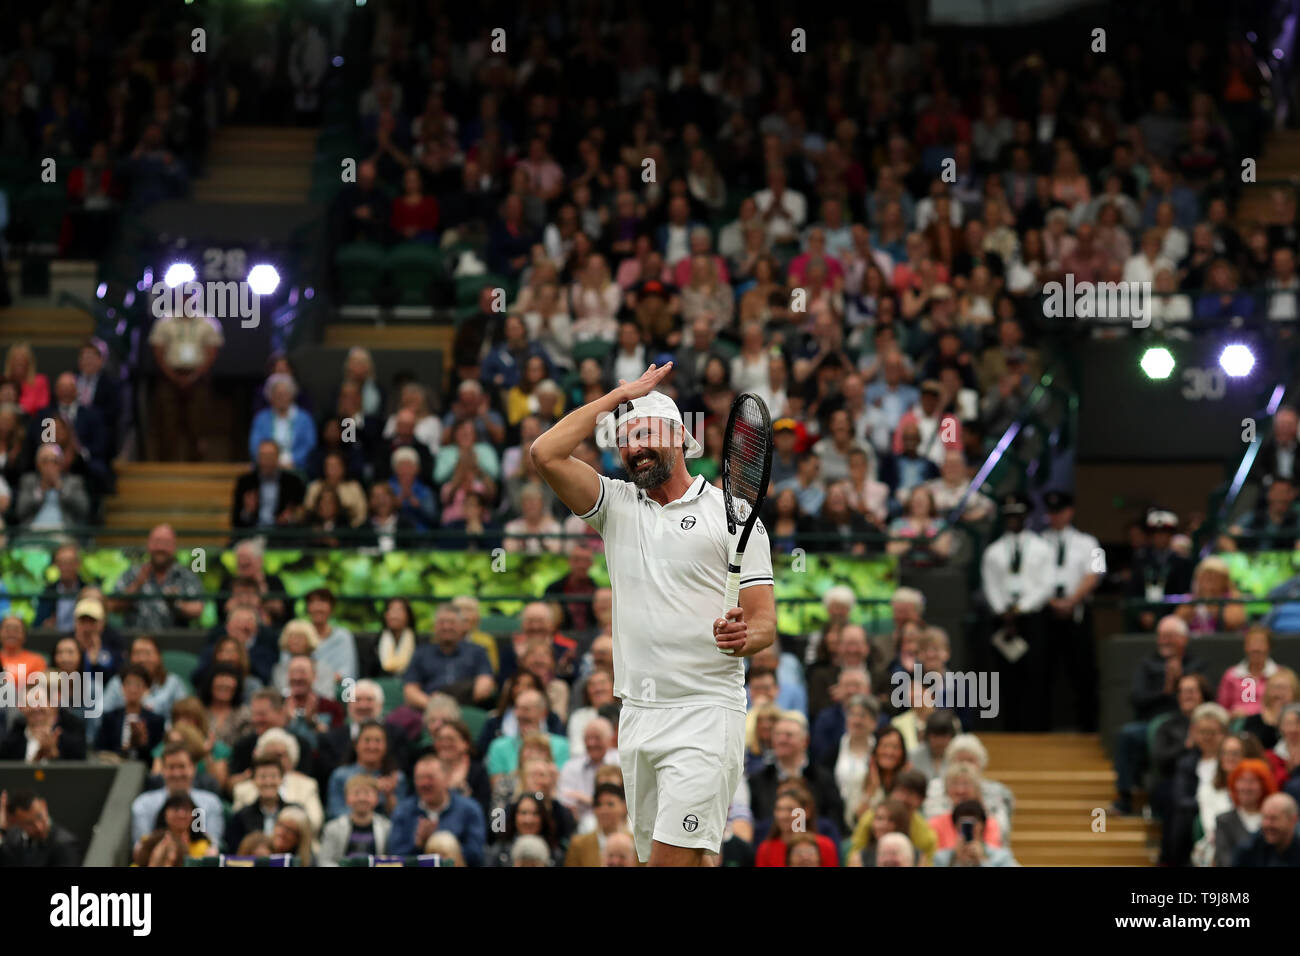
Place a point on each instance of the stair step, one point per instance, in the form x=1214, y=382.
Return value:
x=151, y=490
x=182, y=470
x=1063, y=821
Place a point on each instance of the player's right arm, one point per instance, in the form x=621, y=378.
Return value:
x=575, y=482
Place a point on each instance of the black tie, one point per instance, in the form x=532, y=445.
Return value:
x=1015, y=555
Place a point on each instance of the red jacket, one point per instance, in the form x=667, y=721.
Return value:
x=772, y=852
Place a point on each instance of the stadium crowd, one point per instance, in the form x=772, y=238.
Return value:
x=862, y=239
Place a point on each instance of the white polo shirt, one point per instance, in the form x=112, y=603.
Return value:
x=668, y=571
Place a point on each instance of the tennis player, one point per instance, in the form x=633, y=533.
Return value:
x=682, y=726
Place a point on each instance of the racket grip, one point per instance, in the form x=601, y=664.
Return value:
x=733, y=595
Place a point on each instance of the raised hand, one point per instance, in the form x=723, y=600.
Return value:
x=646, y=383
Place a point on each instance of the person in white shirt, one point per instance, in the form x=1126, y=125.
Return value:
x=782, y=210
x=577, y=780
x=1078, y=566
x=1016, y=575
x=1143, y=264
x=677, y=662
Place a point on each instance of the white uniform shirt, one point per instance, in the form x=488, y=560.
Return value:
x=668, y=571
x=1072, y=556
x=1029, y=588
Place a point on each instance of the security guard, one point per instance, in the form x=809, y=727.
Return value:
x=1158, y=570
x=1016, y=576
x=1078, y=566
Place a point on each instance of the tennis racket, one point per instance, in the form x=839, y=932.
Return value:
x=746, y=469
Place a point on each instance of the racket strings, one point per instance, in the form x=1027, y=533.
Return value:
x=747, y=454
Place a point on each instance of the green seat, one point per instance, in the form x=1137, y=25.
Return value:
x=468, y=287
x=499, y=624
x=182, y=664
x=846, y=848
x=598, y=349
x=355, y=861
x=726, y=348
x=474, y=718
x=392, y=688
x=41, y=206
x=360, y=267
x=414, y=266
x=208, y=861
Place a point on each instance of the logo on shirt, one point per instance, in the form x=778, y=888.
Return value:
x=688, y=522
x=690, y=823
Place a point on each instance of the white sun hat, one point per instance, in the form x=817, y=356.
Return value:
x=653, y=405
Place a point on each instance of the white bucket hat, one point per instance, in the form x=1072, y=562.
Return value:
x=653, y=405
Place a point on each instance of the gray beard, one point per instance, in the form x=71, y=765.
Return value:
x=659, y=472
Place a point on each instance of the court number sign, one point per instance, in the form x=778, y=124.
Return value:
x=1204, y=384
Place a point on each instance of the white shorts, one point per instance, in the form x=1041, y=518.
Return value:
x=681, y=768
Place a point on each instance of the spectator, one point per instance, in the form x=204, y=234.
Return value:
x=269, y=495
x=1276, y=843
x=131, y=731
x=284, y=423
x=164, y=592
x=58, y=601
x=972, y=849
x=260, y=815
x=415, y=500
x=909, y=790
x=1283, y=688
x=297, y=787
x=610, y=813
x=1249, y=783
x=795, y=818
x=33, y=387
x=336, y=478
x=374, y=760
x=164, y=688
x=40, y=729
x=503, y=754
x=361, y=831
x=414, y=215
x=577, y=780
x=50, y=499
x=336, y=653
x=15, y=659
x=449, y=664
x=87, y=433
x=29, y=838
x=99, y=653
x=178, y=779
x=790, y=759
x=185, y=348
x=434, y=807
x=1245, y=685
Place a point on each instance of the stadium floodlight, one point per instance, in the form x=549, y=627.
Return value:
x=1237, y=360
x=263, y=279
x=178, y=273
x=1157, y=362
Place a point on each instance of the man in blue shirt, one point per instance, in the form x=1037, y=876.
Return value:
x=178, y=777
x=448, y=665
x=434, y=808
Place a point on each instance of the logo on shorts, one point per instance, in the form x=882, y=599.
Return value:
x=690, y=823
x=688, y=522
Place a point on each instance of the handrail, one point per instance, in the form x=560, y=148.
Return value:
x=1046, y=385
x=1243, y=471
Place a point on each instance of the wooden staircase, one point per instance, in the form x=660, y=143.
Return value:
x=255, y=164
x=1059, y=781
x=345, y=335
x=1281, y=160
x=193, y=498
x=44, y=325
